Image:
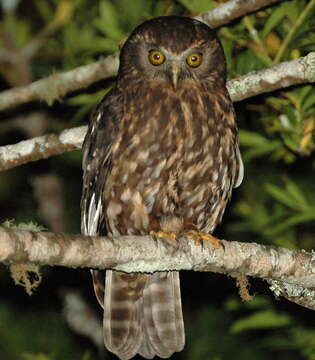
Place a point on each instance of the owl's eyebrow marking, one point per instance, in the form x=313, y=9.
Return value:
x=201, y=43
x=153, y=45
x=165, y=51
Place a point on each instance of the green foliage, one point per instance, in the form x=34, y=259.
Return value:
x=255, y=329
x=35, y=335
x=198, y=5
x=40, y=356
x=85, y=103
x=264, y=319
x=208, y=334
x=284, y=332
x=274, y=205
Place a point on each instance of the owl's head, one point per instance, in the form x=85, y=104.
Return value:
x=172, y=49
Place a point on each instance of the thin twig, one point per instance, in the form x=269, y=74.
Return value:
x=264, y=56
x=293, y=29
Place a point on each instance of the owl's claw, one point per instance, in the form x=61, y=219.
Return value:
x=167, y=235
x=198, y=237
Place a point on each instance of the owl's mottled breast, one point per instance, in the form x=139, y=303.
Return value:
x=176, y=157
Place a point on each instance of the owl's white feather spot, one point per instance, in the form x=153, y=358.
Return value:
x=240, y=174
x=126, y=195
x=94, y=212
x=113, y=209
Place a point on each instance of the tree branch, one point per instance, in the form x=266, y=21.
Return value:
x=148, y=254
x=231, y=10
x=298, y=294
x=58, y=85
x=41, y=147
x=294, y=72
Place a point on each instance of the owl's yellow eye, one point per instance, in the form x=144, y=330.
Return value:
x=156, y=57
x=194, y=59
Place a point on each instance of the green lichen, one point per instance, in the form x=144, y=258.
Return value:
x=26, y=275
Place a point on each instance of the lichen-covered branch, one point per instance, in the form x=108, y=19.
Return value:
x=41, y=147
x=231, y=10
x=294, y=72
x=58, y=85
x=298, y=294
x=148, y=254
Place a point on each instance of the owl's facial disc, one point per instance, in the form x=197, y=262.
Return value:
x=174, y=67
x=172, y=52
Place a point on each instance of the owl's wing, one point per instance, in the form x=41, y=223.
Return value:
x=96, y=164
x=231, y=115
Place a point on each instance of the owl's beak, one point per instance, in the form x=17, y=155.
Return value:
x=175, y=73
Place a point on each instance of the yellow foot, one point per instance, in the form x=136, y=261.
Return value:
x=167, y=235
x=198, y=237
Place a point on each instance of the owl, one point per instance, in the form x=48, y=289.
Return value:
x=161, y=155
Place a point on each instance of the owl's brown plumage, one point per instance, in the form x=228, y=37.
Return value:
x=161, y=153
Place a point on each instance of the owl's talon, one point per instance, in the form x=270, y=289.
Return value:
x=167, y=235
x=199, y=237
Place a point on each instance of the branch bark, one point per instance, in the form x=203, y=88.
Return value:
x=148, y=254
x=231, y=10
x=298, y=294
x=294, y=72
x=58, y=85
x=289, y=73
x=41, y=147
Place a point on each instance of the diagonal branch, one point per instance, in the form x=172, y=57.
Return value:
x=41, y=147
x=294, y=72
x=58, y=85
x=232, y=10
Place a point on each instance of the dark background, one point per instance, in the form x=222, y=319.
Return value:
x=274, y=205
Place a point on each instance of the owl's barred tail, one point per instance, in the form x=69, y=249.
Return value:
x=143, y=314
x=162, y=316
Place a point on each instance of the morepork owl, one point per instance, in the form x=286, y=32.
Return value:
x=161, y=154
